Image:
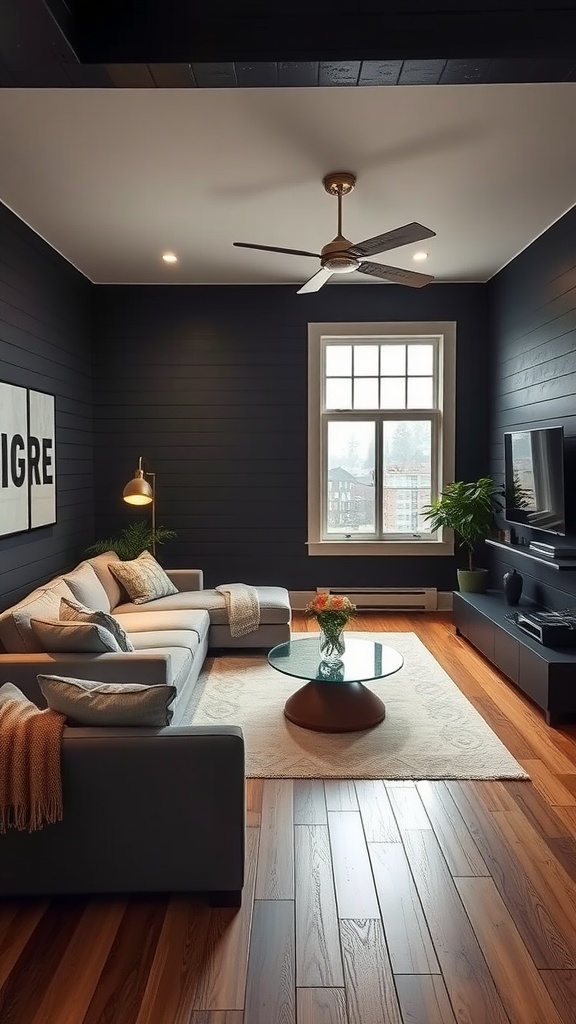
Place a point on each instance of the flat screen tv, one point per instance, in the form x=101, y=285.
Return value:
x=534, y=479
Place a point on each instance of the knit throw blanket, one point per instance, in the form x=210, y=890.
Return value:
x=30, y=780
x=243, y=607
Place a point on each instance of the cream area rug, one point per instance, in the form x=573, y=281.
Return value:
x=431, y=731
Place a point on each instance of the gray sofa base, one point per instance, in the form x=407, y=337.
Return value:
x=144, y=810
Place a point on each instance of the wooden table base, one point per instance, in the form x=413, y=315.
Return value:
x=334, y=707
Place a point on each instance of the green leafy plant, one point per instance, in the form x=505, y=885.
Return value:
x=467, y=509
x=132, y=540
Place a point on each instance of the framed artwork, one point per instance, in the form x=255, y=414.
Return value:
x=27, y=459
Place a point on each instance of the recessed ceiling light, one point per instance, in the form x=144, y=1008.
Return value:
x=169, y=257
x=420, y=256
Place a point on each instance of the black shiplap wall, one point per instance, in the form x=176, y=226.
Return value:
x=533, y=379
x=45, y=343
x=210, y=385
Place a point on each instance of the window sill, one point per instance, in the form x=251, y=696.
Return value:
x=383, y=548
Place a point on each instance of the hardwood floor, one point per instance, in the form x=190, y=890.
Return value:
x=366, y=902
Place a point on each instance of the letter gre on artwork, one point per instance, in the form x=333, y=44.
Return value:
x=27, y=459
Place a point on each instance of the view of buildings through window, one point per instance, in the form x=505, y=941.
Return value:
x=380, y=410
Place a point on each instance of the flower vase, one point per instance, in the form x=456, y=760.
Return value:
x=332, y=647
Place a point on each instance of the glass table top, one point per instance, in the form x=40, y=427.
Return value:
x=362, y=660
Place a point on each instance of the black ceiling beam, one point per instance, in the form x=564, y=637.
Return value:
x=166, y=31
x=34, y=48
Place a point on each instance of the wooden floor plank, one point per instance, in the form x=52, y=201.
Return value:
x=376, y=812
x=370, y=992
x=409, y=944
x=462, y=855
x=118, y=995
x=321, y=1006
x=275, y=874
x=355, y=892
x=254, y=791
x=17, y=925
x=468, y=980
x=340, y=795
x=562, y=988
x=521, y=988
x=408, y=808
x=318, y=957
x=424, y=1000
x=270, y=992
x=222, y=980
x=170, y=992
x=217, y=1017
x=547, y=783
x=74, y=981
x=309, y=802
x=534, y=919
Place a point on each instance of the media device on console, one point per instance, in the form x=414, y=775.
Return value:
x=551, y=629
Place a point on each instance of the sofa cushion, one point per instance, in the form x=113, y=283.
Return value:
x=16, y=633
x=73, y=611
x=159, y=639
x=88, y=702
x=101, y=566
x=87, y=588
x=143, y=621
x=143, y=578
x=274, y=605
x=76, y=637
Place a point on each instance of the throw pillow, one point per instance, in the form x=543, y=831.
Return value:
x=73, y=611
x=73, y=637
x=87, y=702
x=87, y=588
x=143, y=578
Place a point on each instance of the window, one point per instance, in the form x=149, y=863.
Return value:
x=380, y=435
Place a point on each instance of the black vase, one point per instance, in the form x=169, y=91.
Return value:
x=512, y=583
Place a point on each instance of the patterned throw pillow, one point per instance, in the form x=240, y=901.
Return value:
x=73, y=637
x=143, y=578
x=73, y=611
x=88, y=702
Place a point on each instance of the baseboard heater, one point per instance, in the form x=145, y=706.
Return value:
x=423, y=599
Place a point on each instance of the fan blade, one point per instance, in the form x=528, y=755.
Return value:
x=413, y=232
x=315, y=283
x=395, y=274
x=275, y=248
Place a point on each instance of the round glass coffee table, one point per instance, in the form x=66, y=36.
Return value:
x=335, y=700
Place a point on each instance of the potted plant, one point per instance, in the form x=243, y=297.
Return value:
x=468, y=509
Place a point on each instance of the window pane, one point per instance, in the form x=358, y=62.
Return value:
x=393, y=393
x=421, y=359
x=366, y=360
x=338, y=393
x=350, y=478
x=338, y=360
x=393, y=359
x=366, y=393
x=407, y=475
x=419, y=392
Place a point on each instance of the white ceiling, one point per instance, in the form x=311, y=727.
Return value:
x=112, y=178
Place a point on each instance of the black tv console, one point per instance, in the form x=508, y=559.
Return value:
x=545, y=674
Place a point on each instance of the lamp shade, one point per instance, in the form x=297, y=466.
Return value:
x=138, y=491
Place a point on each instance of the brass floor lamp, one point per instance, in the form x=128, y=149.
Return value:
x=139, y=492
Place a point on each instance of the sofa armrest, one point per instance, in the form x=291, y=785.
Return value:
x=186, y=579
x=130, y=667
x=144, y=810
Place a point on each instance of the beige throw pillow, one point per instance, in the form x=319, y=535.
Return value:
x=73, y=637
x=143, y=578
x=73, y=611
x=88, y=702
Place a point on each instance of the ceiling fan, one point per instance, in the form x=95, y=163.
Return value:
x=340, y=256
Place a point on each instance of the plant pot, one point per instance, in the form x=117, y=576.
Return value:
x=472, y=581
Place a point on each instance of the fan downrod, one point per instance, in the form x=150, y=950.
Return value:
x=339, y=183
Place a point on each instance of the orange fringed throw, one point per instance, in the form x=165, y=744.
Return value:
x=30, y=778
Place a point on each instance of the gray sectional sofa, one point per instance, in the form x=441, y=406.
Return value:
x=145, y=810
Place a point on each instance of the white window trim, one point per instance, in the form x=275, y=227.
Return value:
x=443, y=544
